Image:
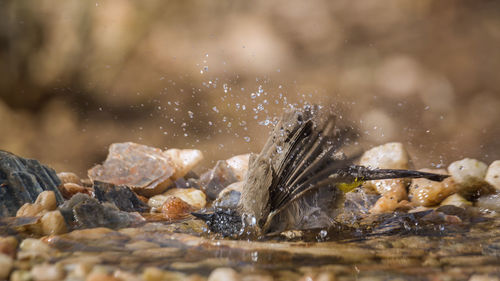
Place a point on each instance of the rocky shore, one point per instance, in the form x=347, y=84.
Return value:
x=131, y=220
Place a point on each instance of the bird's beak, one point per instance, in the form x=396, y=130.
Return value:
x=203, y=216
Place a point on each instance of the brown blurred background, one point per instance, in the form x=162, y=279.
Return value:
x=76, y=76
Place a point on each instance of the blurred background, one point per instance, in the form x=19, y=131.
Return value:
x=76, y=76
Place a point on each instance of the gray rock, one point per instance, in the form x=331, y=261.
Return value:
x=121, y=196
x=215, y=180
x=21, y=180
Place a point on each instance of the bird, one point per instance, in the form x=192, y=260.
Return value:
x=299, y=179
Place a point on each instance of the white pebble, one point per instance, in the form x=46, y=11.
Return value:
x=47, y=272
x=6, y=264
x=224, y=274
x=467, y=171
x=53, y=223
x=493, y=174
x=239, y=165
x=388, y=156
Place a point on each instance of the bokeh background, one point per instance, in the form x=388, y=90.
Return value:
x=76, y=76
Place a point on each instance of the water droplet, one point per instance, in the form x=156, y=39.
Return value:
x=247, y=139
x=215, y=109
x=191, y=114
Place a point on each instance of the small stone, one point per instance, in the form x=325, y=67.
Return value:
x=456, y=200
x=121, y=196
x=21, y=275
x=101, y=277
x=489, y=202
x=47, y=272
x=191, y=196
x=215, y=180
x=388, y=156
x=69, y=189
x=53, y=223
x=30, y=210
x=31, y=244
x=424, y=192
x=141, y=245
x=224, y=274
x=239, y=165
x=184, y=160
x=229, y=196
x=47, y=200
x=6, y=264
x=493, y=174
x=175, y=208
x=483, y=277
x=126, y=276
x=156, y=274
x=68, y=177
x=385, y=204
x=469, y=174
x=8, y=246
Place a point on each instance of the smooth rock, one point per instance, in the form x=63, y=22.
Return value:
x=22, y=180
x=388, y=156
x=69, y=189
x=47, y=200
x=469, y=174
x=8, y=246
x=126, y=276
x=47, y=272
x=489, y=202
x=53, y=223
x=121, y=196
x=101, y=277
x=68, y=177
x=175, y=208
x=224, y=274
x=239, y=165
x=215, y=180
x=30, y=210
x=456, y=200
x=156, y=274
x=424, y=192
x=147, y=170
x=6, y=264
x=385, y=204
x=229, y=196
x=21, y=275
x=493, y=174
x=192, y=196
x=31, y=244
x=184, y=160
x=484, y=277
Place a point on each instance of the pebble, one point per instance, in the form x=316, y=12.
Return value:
x=47, y=272
x=489, y=202
x=384, y=204
x=32, y=244
x=229, y=196
x=175, y=208
x=184, y=160
x=156, y=274
x=483, y=277
x=126, y=276
x=224, y=274
x=424, y=192
x=6, y=264
x=391, y=155
x=46, y=201
x=239, y=165
x=469, y=174
x=8, y=246
x=141, y=245
x=101, y=277
x=69, y=189
x=21, y=275
x=68, y=177
x=456, y=200
x=53, y=223
x=192, y=196
x=493, y=174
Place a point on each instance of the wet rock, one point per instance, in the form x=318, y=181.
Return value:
x=21, y=181
x=239, y=165
x=121, y=196
x=69, y=189
x=424, y=192
x=229, y=196
x=47, y=272
x=175, y=208
x=53, y=223
x=193, y=197
x=483, y=277
x=489, y=202
x=493, y=174
x=215, y=180
x=388, y=156
x=82, y=211
x=101, y=277
x=357, y=204
x=34, y=249
x=147, y=170
x=6, y=264
x=456, y=200
x=385, y=204
x=184, y=160
x=8, y=246
x=68, y=177
x=46, y=201
x=156, y=274
x=469, y=174
x=21, y=275
x=224, y=274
